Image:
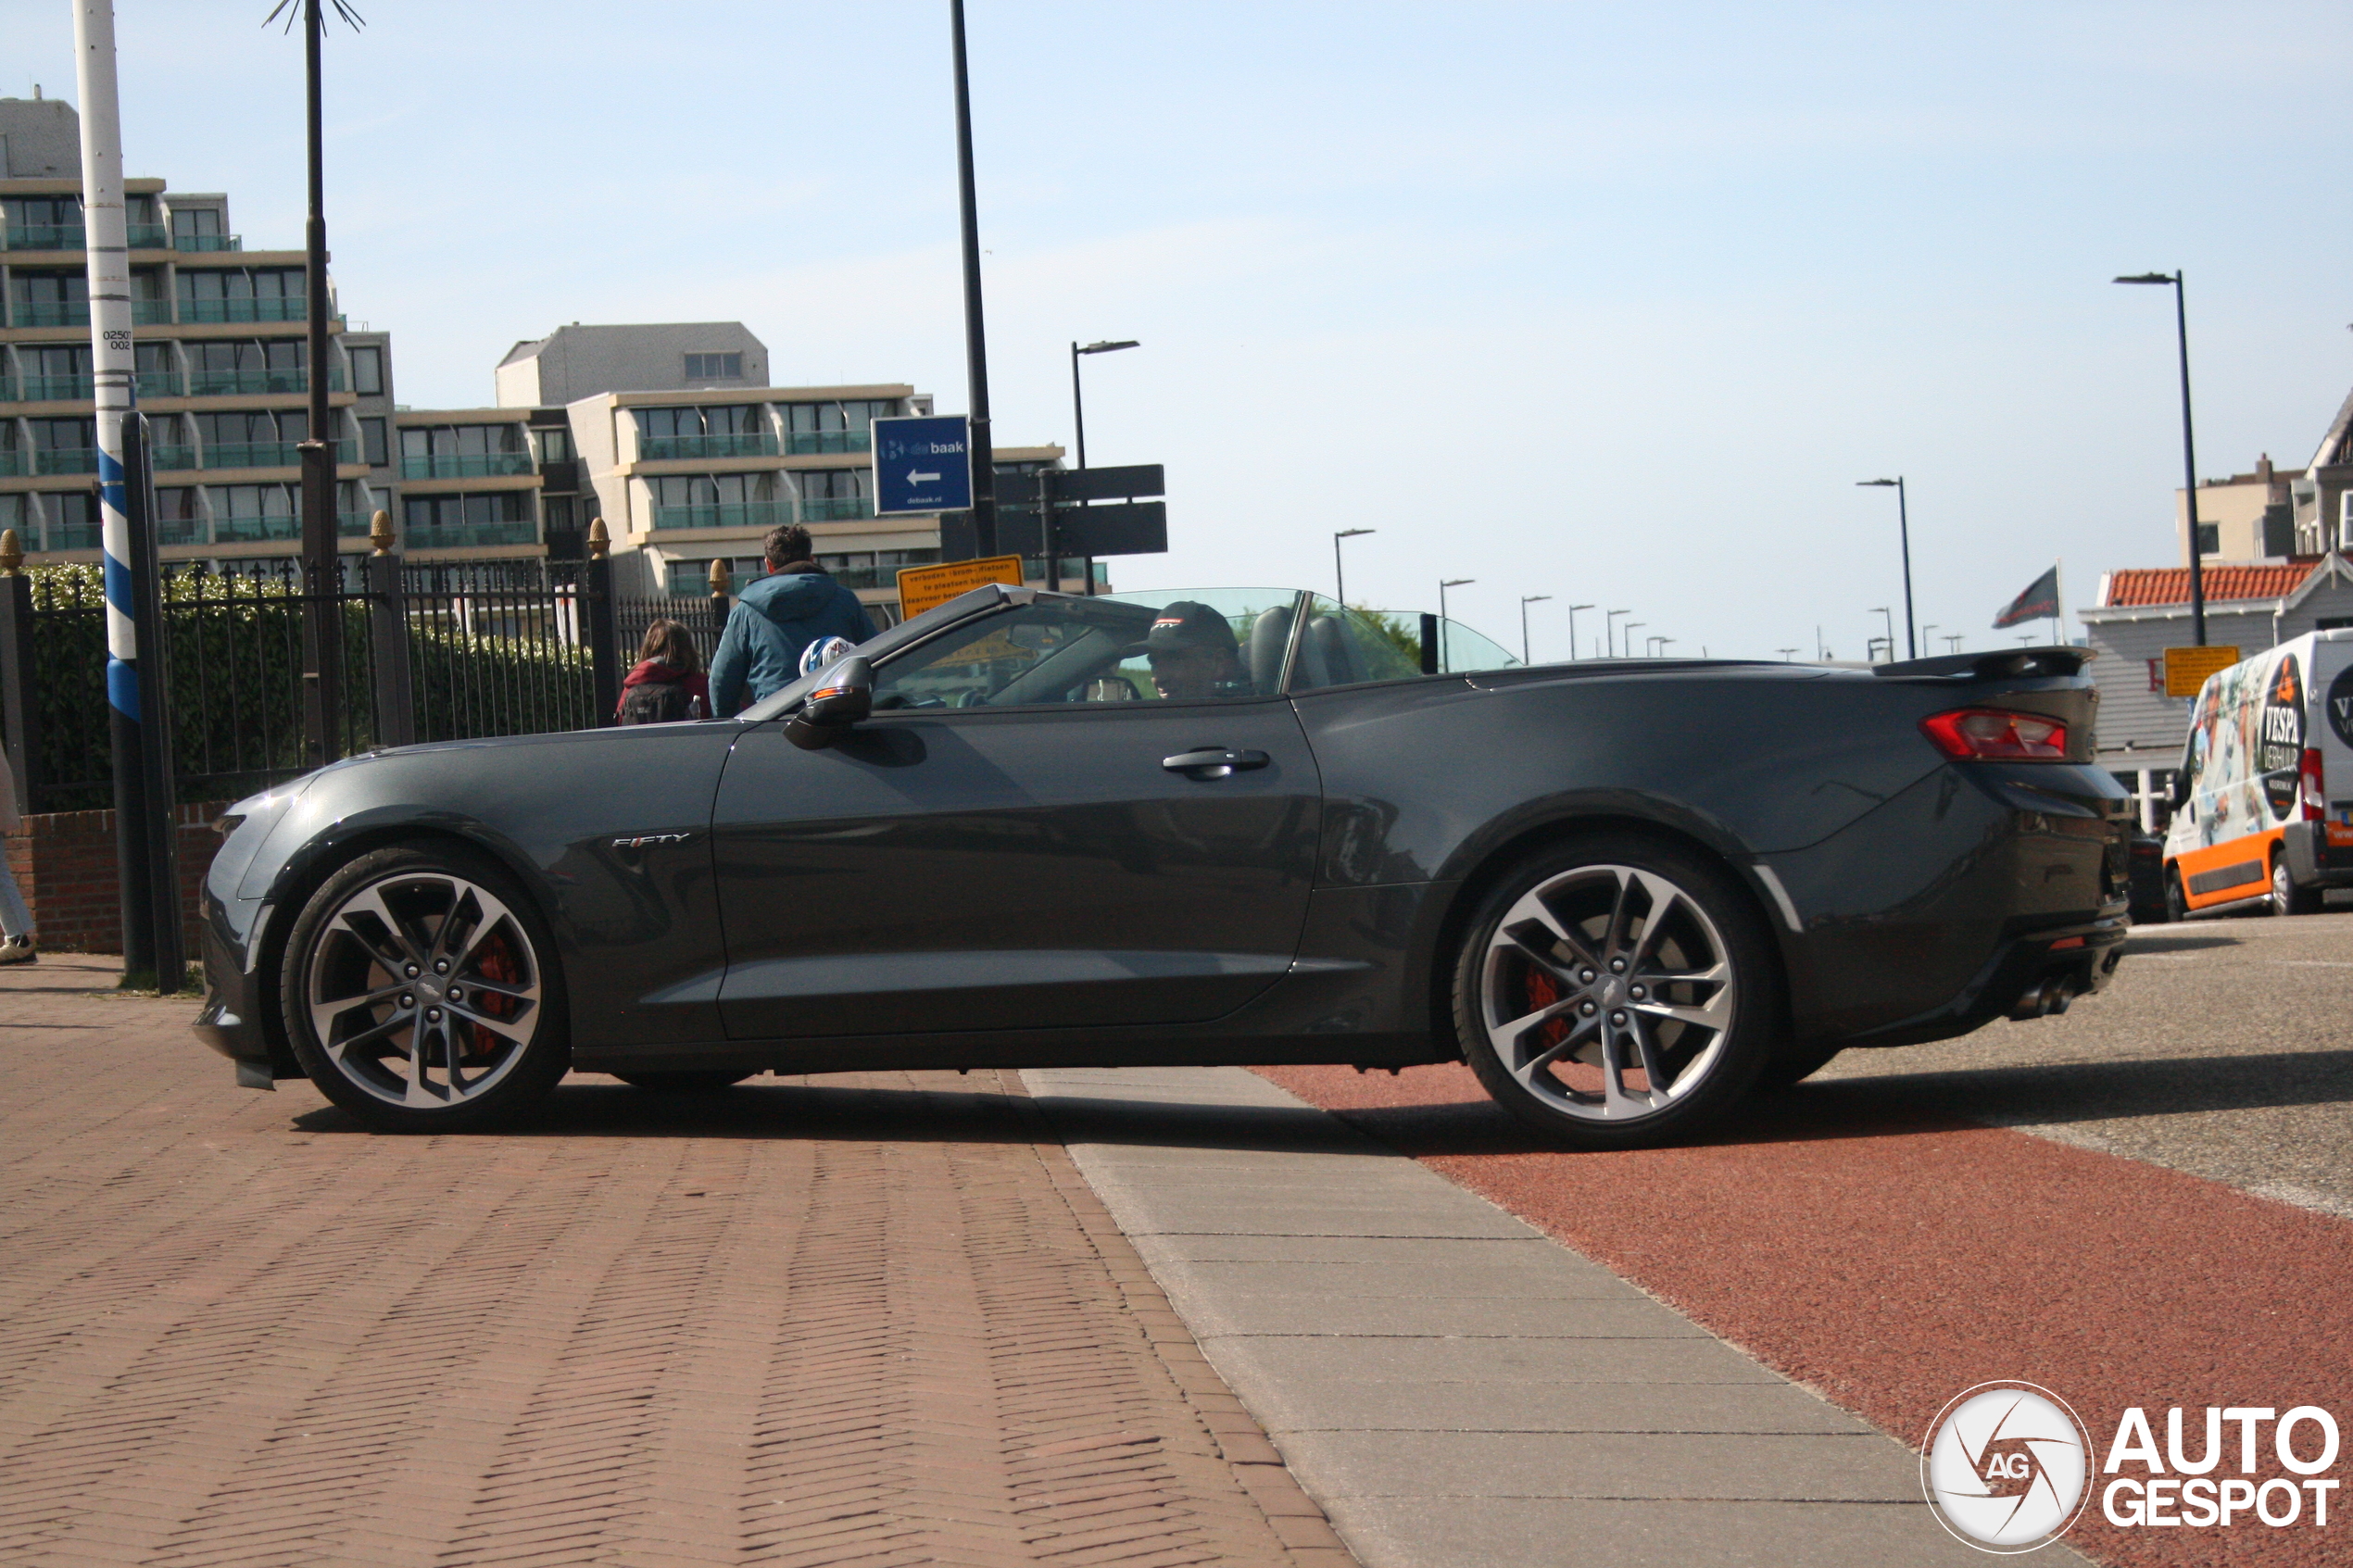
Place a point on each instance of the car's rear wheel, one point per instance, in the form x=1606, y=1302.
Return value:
x=421, y=992
x=2286, y=897
x=1617, y=994
x=683, y=1082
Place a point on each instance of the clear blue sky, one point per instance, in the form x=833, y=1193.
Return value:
x=1607, y=302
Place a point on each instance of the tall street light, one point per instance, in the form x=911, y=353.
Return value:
x=1572, y=628
x=1339, y=577
x=1626, y=644
x=983, y=445
x=1788, y=655
x=1078, y=404
x=1656, y=646
x=1609, y=632
x=1536, y=599
x=1904, y=523
x=2189, y=448
x=1078, y=428
x=1450, y=582
x=1889, y=616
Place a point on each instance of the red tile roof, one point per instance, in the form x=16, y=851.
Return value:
x=2171, y=584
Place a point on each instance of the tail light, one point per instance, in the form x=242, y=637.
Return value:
x=1996, y=735
x=2316, y=799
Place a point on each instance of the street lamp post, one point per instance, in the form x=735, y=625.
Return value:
x=1339, y=577
x=1626, y=644
x=983, y=445
x=1609, y=633
x=1903, y=526
x=1925, y=630
x=1524, y=603
x=1078, y=431
x=1572, y=628
x=1890, y=615
x=1788, y=655
x=1450, y=582
x=1656, y=646
x=2189, y=448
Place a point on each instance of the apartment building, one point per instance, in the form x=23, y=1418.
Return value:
x=220, y=333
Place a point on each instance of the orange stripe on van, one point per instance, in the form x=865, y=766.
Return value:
x=2251, y=850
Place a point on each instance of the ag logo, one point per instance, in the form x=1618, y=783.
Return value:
x=2340, y=705
x=2005, y=1467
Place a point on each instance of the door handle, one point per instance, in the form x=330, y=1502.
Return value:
x=1213, y=761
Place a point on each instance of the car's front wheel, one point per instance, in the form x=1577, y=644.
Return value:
x=421, y=993
x=2287, y=898
x=1617, y=994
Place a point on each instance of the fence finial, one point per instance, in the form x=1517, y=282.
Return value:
x=11, y=553
x=380, y=533
x=718, y=579
x=600, y=539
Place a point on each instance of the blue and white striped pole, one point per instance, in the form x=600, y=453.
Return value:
x=141, y=845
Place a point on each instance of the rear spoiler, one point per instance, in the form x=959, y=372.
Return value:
x=2008, y=665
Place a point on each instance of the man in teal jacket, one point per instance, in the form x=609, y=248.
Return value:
x=775, y=619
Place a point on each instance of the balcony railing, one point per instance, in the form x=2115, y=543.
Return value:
x=55, y=389
x=737, y=514
x=470, y=535
x=65, y=459
x=46, y=236
x=150, y=312
x=49, y=313
x=147, y=236
x=11, y=463
x=207, y=241
x=351, y=525
x=801, y=443
x=244, y=309
x=249, y=530
x=268, y=454
x=173, y=459
x=224, y=384
x=162, y=383
x=465, y=465
x=246, y=529
x=70, y=536
x=835, y=508
x=739, y=444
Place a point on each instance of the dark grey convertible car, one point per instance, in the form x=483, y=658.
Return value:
x=1231, y=826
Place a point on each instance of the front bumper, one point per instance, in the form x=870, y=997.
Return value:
x=231, y=1021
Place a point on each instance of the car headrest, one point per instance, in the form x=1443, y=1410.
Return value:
x=1324, y=655
x=1269, y=636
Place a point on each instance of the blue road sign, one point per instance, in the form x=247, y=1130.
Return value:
x=923, y=465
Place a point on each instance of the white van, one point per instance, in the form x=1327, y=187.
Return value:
x=2263, y=803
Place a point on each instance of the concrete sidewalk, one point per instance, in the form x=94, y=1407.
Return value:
x=1453, y=1387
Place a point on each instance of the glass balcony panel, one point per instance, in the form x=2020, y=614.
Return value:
x=169, y=460
x=46, y=236
x=182, y=530
x=835, y=508
x=738, y=514
x=162, y=383
x=804, y=442
x=468, y=535
x=150, y=312
x=225, y=383
x=207, y=241
x=55, y=389
x=244, y=309
x=66, y=459
x=49, y=313
x=70, y=536
x=11, y=463
x=249, y=530
x=743, y=443
x=475, y=464
x=268, y=454
x=147, y=236
x=353, y=526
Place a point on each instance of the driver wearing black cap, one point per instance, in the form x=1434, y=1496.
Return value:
x=1193, y=654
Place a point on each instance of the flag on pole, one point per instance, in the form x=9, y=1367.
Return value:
x=2040, y=600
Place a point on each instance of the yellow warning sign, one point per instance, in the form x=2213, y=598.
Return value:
x=925, y=587
x=2186, y=669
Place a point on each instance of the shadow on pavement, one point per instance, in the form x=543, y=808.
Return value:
x=2087, y=1091
x=2143, y=940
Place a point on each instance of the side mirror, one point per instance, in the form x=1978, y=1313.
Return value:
x=845, y=694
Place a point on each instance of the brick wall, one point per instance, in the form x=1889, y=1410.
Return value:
x=64, y=863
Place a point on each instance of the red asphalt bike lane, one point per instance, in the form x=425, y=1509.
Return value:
x=1891, y=1258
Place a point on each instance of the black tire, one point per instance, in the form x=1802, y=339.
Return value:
x=707, y=1082
x=1792, y=1064
x=367, y=958
x=1673, y=922
x=2287, y=898
x=2177, y=903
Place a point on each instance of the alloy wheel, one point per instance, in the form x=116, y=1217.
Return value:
x=424, y=989
x=1608, y=993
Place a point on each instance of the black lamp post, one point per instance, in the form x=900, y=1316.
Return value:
x=1572, y=628
x=1609, y=632
x=1450, y=582
x=1903, y=526
x=2189, y=448
x=984, y=449
x=1078, y=425
x=1525, y=601
x=1339, y=577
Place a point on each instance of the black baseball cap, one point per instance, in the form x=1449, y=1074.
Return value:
x=1187, y=624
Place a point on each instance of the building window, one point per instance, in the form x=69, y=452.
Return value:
x=557, y=512
x=367, y=371
x=462, y=451
x=2209, y=538
x=691, y=579
x=374, y=447
x=245, y=513
x=714, y=367
x=238, y=293
x=457, y=522
x=722, y=500
x=692, y=430
x=43, y=223
x=836, y=495
x=196, y=228
x=555, y=444
x=73, y=520
x=179, y=516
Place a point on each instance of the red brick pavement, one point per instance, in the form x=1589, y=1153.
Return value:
x=869, y=1320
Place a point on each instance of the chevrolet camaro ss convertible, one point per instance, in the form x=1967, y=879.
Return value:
x=1224, y=826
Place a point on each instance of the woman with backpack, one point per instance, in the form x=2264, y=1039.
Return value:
x=667, y=684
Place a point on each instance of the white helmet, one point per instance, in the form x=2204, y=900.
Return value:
x=825, y=651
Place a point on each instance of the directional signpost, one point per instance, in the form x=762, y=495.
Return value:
x=1118, y=525
x=923, y=465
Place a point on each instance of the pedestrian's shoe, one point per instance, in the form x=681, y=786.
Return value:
x=17, y=949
